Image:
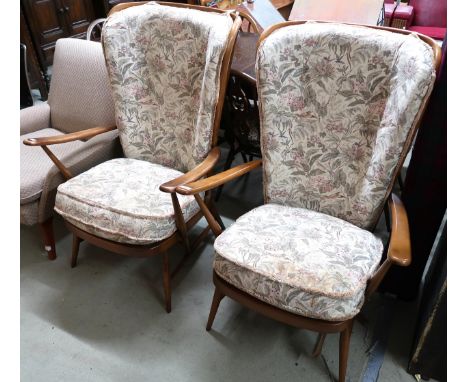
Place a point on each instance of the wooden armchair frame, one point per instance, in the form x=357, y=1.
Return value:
x=203, y=169
x=398, y=252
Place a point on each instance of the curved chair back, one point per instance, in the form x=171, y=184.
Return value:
x=80, y=95
x=339, y=107
x=168, y=65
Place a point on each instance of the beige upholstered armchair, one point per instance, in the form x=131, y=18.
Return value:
x=168, y=67
x=339, y=107
x=79, y=99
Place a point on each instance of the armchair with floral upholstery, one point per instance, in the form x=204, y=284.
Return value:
x=337, y=116
x=168, y=65
x=79, y=107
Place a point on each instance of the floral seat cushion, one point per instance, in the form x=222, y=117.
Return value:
x=120, y=200
x=299, y=260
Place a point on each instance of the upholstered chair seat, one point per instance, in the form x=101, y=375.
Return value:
x=120, y=200
x=303, y=261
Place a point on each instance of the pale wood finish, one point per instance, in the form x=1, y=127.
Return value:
x=196, y=173
x=64, y=138
x=218, y=179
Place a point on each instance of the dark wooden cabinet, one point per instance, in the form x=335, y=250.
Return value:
x=50, y=20
x=105, y=6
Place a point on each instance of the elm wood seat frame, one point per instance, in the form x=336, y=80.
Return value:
x=398, y=250
x=196, y=173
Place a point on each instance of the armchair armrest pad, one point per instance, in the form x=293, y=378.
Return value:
x=399, y=249
x=218, y=179
x=196, y=173
x=34, y=118
x=79, y=135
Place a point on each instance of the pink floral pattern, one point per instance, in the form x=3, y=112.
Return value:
x=299, y=260
x=120, y=200
x=164, y=66
x=337, y=104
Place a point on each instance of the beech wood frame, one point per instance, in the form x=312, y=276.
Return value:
x=398, y=252
x=203, y=169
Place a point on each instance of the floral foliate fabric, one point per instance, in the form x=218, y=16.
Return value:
x=164, y=66
x=299, y=260
x=338, y=104
x=120, y=200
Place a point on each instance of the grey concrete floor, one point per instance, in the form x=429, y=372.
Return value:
x=104, y=320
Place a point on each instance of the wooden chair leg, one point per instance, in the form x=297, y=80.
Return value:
x=319, y=345
x=75, y=249
x=167, y=282
x=216, y=215
x=217, y=297
x=47, y=233
x=345, y=337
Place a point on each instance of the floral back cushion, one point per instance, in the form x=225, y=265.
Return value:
x=164, y=66
x=337, y=104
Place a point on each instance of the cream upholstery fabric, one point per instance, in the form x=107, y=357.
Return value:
x=120, y=200
x=35, y=164
x=164, y=65
x=79, y=95
x=337, y=103
x=299, y=260
x=29, y=213
x=34, y=118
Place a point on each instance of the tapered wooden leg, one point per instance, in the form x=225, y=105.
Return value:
x=217, y=297
x=167, y=282
x=319, y=345
x=345, y=336
x=216, y=215
x=47, y=233
x=75, y=250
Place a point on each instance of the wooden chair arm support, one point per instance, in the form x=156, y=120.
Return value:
x=218, y=179
x=64, y=138
x=399, y=248
x=196, y=173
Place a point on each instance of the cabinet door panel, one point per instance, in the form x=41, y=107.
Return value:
x=47, y=22
x=79, y=15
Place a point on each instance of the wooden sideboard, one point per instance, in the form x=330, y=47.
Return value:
x=49, y=20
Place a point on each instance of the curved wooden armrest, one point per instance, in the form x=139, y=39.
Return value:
x=399, y=249
x=57, y=139
x=196, y=173
x=218, y=179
